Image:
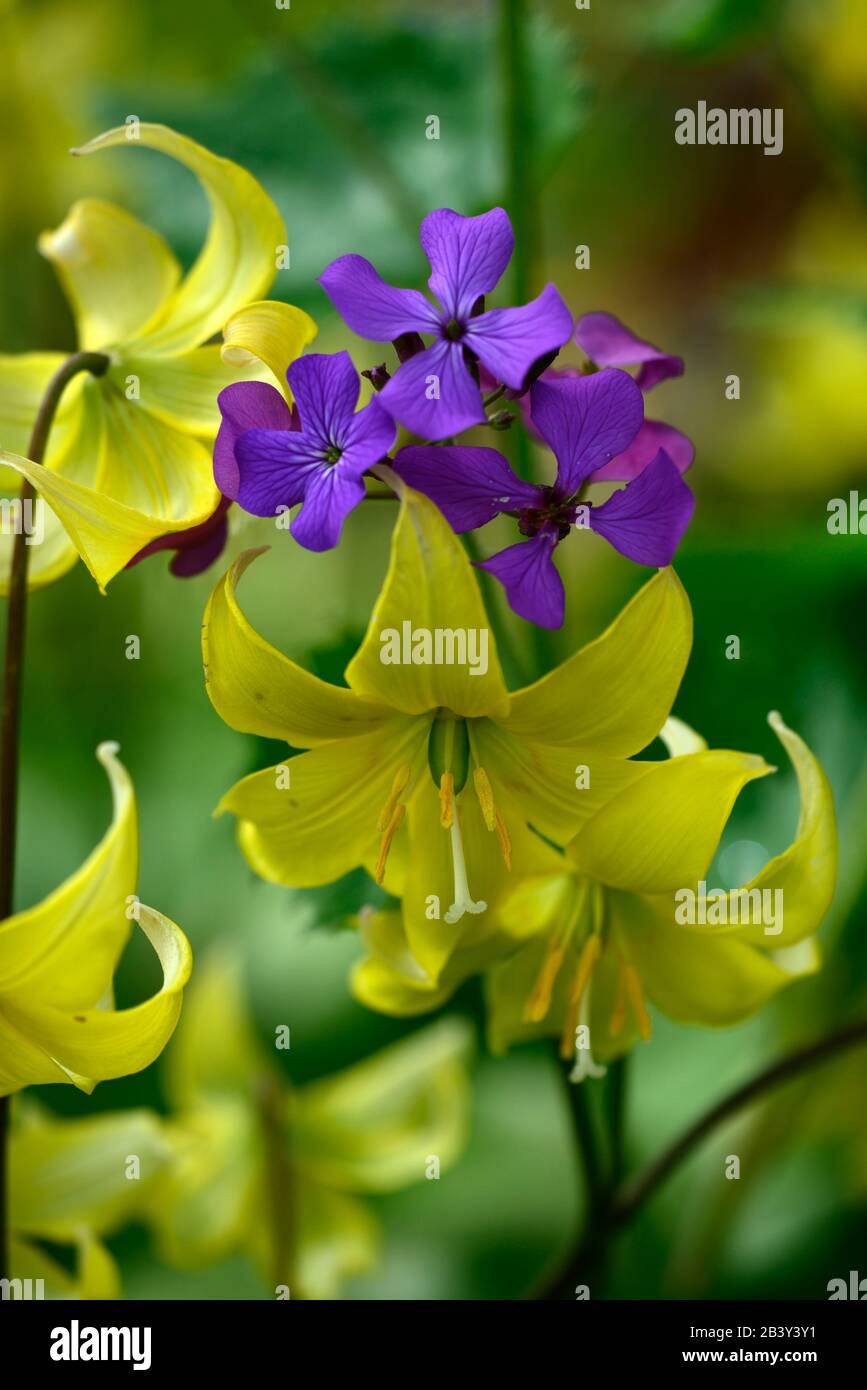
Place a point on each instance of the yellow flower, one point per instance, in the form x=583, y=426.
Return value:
x=57, y=960
x=276, y=1171
x=429, y=773
x=70, y=1182
x=129, y=456
x=629, y=920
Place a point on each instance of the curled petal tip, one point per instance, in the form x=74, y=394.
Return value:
x=109, y=748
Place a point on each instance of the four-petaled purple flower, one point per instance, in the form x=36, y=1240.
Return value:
x=269, y=458
x=586, y=421
x=435, y=392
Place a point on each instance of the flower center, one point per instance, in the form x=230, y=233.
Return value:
x=332, y=454
x=453, y=330
x=555, y=514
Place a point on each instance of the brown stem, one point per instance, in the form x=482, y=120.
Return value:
x=635, y=1191
x=10, y=715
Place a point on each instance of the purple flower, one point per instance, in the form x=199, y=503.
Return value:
x=609, y=343
x=435, y=392
x=586, y=421
x=195, y=548
x=269, y=457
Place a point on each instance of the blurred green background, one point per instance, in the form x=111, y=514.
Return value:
x=743, y=264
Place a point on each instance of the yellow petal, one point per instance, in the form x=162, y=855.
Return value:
x=63, y=952
x=24, y=378
x=321, y=820
x=680, y=738
x=338, y=1238
x=372, y=1127
x=182, y=391
x=96, y=1276
x=238, y=261
x=661, y=833
x=269, y=332
x=615, y=694
x=430, y=587
x=204, y=1063
x=257, y=690
x=116, y=272
x=697, y=979
x=97, y=1044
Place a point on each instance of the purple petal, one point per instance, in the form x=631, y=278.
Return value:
x=467, y=255
x=509, y=341
x=441, y=368
x=610, y=343
x=372, y=308
x=586, y=420
x=653, y=436
x=330, y=495
x=274, y=468
x=325, y=386
x=533, y=586
x=367, y=438
x=191, y=559
x=470, y=485
x=243, y=406
x=646, y=519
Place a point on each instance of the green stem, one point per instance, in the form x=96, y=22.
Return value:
x=10, y=715
x=280, y=1182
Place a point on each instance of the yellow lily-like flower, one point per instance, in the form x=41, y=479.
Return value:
x=57, y=961
x=277, y=1171
x=71, y=1182
x=429, y=772
x=629, y=919
x=129, y=456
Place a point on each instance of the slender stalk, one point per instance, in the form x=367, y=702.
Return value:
x=10, y=715
x=635, y=1191
x=271, y=1096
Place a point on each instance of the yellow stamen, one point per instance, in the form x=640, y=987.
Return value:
x=401, y=778
x=618, y=1017
x=567, y=1037
x=447, y=799
x=539, y=1002
x=485, y=795
x=505, y=842
x=589, y=957
x=388, y=835
x=632, y=981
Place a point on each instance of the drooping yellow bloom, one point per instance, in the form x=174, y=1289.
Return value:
x=628, y=922
x=129, y=457
x=278, y=1171
x=57, y=960
x=427, y=771
x=71, y=1182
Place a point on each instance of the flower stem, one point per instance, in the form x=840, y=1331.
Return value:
x=631, y=1194
x=10, y=715
x=280, y=1180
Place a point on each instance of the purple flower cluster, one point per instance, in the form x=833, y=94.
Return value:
x=270, y=457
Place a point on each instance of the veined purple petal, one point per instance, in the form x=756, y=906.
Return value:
x=433, y=394
x=470, y=485
x=653, y=436
x=533, y=586
x=509, y=341
x=372, y=308
x=367, y=438
x=610, y=343
x=245, y=405
x=467, y=255
x=274, y=468
x=329, y=497
x=646, y=520
x=325, y=386
x=586, y=420
x=191, y=558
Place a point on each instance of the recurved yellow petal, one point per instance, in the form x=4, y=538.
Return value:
x=91, y=1045
x=337, y=1239
x=615, y=694
x=372, y=1127
x=312, y=819
x=239, y=258
x=270, y=332
x=64, y=950
x=430, y=587
x=257, y=690
x=661, y=833
x=116, y=272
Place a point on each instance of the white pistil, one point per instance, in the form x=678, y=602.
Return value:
x=463, y=902
x=584, y=1064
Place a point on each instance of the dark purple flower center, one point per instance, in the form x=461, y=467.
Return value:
x=556, y=514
